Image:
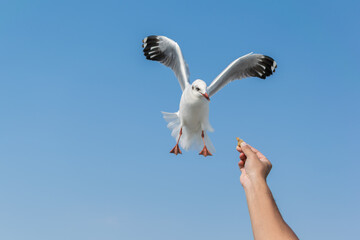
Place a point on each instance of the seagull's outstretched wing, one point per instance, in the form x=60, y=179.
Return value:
x=250, y=65
x=167, y=51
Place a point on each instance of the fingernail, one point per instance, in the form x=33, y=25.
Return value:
x=243, y=144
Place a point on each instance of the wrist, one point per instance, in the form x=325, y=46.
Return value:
x=256, y=184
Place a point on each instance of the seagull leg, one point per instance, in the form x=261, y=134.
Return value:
x=205, y=151
x=176, y=150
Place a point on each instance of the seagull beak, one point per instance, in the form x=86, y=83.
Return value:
x=206, y=96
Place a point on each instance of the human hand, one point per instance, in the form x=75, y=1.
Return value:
x=254, y=166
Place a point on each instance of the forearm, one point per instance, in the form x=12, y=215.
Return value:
x=266, y=220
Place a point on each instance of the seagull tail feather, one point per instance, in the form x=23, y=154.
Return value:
x=173, y=123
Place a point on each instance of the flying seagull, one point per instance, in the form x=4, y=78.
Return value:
x=190, y=123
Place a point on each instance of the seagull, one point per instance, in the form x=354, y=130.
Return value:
x=190, y=124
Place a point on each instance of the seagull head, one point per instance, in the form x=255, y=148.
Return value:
x=198, y=88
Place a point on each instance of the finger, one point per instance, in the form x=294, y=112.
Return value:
x=258, y=153
x=241, y=164
x=247, y=150
x=238, y=148
x=262, y=157
x=242, y=156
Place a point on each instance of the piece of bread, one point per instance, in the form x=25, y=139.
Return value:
x=239, y=141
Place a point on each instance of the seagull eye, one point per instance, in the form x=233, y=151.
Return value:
x=197, y=89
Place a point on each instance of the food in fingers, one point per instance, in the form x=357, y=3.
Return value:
x=239, y=141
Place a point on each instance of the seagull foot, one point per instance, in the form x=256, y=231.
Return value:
x=205, y=152
x=176, y=150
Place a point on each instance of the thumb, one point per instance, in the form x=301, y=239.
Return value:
x=247, y=150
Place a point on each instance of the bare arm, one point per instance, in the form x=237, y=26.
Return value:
x=266, y=220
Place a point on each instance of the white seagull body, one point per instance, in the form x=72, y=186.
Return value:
x=190, y=124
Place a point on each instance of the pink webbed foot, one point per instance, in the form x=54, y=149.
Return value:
x=176, y=150
x=205, y=152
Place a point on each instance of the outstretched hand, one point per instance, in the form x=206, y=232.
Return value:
x=254, y=166
x=266, y=220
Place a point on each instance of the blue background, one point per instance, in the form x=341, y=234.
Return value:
x=84, y=151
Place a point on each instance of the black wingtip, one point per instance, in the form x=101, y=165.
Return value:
x=266, y=66
x=151, y=50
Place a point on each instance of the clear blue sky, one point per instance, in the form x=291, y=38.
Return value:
x=84, y=151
